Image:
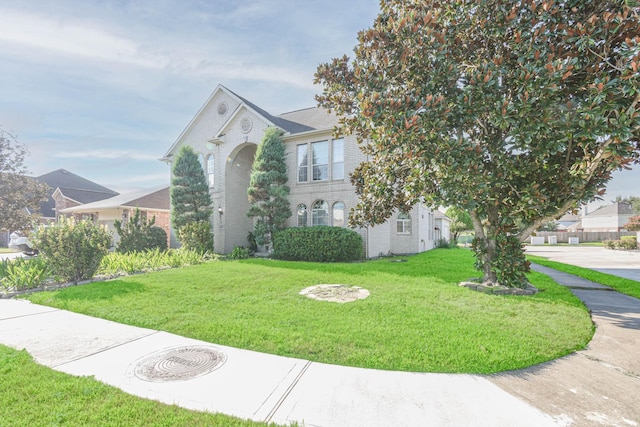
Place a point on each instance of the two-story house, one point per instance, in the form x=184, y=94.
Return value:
x=226, y=132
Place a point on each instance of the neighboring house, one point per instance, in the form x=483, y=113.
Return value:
x=67, y=190
x=611, y=217
x=442, y=227
x=226, y=132
x=151, y=203
x=569, y=222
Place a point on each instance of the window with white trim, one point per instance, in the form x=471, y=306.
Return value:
x=337, y=159
x=303, y=163
x=320, y=213
x=320, y=160
x=403, y=223
x=211, y=169
x=302, y=215
x=338, y=214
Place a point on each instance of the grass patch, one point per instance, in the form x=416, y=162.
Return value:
x=620, y=284
x=34, y=395
x=7, y=251
x=416, y=319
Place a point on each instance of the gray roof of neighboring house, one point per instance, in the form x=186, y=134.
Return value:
x=155, y=198
x=73, y=187
x=614, y=209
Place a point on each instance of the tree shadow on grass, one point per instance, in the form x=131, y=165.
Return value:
x=100, y=291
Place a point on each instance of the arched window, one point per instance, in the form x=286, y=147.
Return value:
x=201, y=159
x=338, y=214
x=403, y=223
x=302, y=215
x=211, y=169
x=320, y=213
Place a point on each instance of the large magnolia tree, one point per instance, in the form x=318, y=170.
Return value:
x=515, y=111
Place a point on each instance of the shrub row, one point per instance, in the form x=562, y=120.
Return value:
x=317, y=244
x=624, y=244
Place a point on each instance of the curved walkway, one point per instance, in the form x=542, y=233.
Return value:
x=594, y=387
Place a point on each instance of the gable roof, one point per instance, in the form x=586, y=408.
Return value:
x=72, y=186
x=614, y=209
x=155, y=198
x=295, y=122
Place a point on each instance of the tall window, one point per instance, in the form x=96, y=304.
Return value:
x=211, y=169
x=201, y=159
x=403, y=224
x=302, y=215
x=303, y=162
x=320, y=154
x=338, y=214
x=320, y=213
x=337, y=155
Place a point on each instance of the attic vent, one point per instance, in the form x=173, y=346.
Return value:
x=246, y=125
x=222, y=108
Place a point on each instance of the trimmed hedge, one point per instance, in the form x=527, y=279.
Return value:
x=317, y=244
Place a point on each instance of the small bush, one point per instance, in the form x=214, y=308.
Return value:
x=627, y=243
x=196, y=236
x=137, y=262
x=72, y=249
x=240, y=252
x=20, y=274
x=317, y=244
x=140, y=234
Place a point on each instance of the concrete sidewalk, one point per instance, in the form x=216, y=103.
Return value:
x=594, y=387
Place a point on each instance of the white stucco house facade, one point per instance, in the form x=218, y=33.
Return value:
x=226, y=132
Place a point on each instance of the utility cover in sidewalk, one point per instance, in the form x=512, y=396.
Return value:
x=180, y=363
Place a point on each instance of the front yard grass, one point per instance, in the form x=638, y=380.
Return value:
x=620, y=284
x=416, y=318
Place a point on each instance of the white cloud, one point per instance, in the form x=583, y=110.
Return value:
x=107, y=155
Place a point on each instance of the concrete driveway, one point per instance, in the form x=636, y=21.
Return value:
x=619, y=263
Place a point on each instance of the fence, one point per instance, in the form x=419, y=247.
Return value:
x=584, y=236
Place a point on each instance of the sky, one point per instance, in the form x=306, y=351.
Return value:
x=104, y=88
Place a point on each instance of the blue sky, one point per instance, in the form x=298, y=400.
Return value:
x=103, y=88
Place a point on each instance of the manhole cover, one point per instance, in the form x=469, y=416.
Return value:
x=335, y=293
x=181, y=363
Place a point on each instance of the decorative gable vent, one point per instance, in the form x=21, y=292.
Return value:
x=246, y=125
x=222, y=108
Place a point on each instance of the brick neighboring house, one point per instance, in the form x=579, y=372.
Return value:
x=225, y=133
x=68, y=190
x=151, y=203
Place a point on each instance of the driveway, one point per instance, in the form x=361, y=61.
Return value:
x=619, y=263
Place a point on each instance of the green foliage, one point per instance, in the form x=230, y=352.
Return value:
x=627, y=244
x=20, y=194
x=115, y=263
x=318, y=244
x=508, y=265
x=460, y=221
x=196, y=236
x=190, y=198
x=513, y=111
x=633, y=200
x=73, y=250
x=240, y=252
x=633, y=224
x=267, y=187
x=20, y=274
x=549, y=226
x=139, y=234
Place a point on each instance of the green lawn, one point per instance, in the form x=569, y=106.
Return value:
x=33, y=395
x=625, y=286
x=416, y=319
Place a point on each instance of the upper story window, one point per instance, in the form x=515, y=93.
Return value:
x=316, y=162
x=337, y=156
x=211, y=169
x=303, y=162
x=338, y=214
x=403, y=223
x=320, y=213
x=320, y=157
x=302, y=215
